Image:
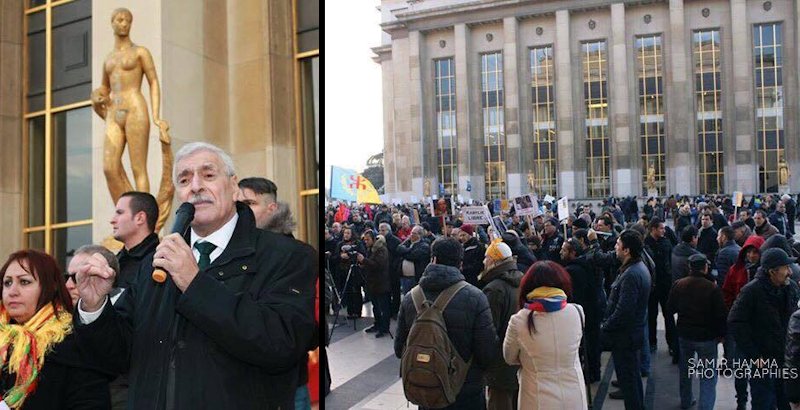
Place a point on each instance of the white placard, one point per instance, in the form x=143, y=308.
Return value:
x=548, y=198
x=563, y=209
x=525, y=205
x=474, y=215
x=737, y=198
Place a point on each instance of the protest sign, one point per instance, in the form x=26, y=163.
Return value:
x=563, y=209
x=474, y=215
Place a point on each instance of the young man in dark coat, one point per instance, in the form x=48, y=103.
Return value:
x=473, y=254
x=763, y=228
x=500, y=281
x=375, y=267
x=468, y=318
x=623, y=327
x=759, y=319
x=727, y=254
x=701, y=326
x=707, y=237
x=682, y=252
x=235, y=315
x=660, y=248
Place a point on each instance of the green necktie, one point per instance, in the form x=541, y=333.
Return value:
x=205, y=249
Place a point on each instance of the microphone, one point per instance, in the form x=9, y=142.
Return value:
x=183, y=217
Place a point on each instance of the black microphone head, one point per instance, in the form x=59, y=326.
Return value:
x=186, y=208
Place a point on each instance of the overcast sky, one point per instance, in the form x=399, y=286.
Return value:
x=353, y=102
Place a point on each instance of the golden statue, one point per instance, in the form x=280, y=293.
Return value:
x=119, y=101
x=651, y=178
x=426, y=189
x=783, y=172
x=531, y=180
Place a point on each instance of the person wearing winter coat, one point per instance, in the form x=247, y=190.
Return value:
x=682, y=252
x=684, y=218
x=792, y=357
x=791, y=211
x=759, y=319
x=375, y=268
x=551, y=241
x=587, y=291
x=780, y=241
x=763, y=228
x=468, y=319
x=525, y=258
x=707, y=238
x=500, y=283
x=392, y=242
x=543, y=338
x=778, y=218
x=473, y=254
x=415, y=253
x=660, y=248
x=701, y=325
x=727, y=254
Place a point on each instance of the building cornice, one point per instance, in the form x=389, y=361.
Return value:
x=382, y=53
x=433, y=18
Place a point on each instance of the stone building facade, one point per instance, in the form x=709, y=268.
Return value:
x=584, y=98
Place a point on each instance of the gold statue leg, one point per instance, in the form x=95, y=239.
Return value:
x=137, y=130
x=113, y=146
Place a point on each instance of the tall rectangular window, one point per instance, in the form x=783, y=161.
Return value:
x=444, y=83
x=595, y=92
x=649, y=60
x=544, y=122
x=770, y=142
x=494, y=138
x=708, y=103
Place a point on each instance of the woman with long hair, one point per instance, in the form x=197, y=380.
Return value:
x=544, y=338
x=40, y=359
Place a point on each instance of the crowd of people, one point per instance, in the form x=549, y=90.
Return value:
x=231, y=327
x=530, y=303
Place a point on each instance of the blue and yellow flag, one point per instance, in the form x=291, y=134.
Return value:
x=348, y=185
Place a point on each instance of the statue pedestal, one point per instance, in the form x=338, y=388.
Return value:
x=783, y=189
x=652, y=193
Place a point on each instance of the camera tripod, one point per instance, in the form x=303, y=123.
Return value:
x=338, y=304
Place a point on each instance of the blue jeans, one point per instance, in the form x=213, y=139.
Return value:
x=302, y=400
x=707, y=353
x=406, y=283
x=644, y=352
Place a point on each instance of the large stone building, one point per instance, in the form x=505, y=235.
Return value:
x=584, y=98
x=241, y=74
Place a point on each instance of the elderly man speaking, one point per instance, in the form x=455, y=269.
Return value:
x=228, y=327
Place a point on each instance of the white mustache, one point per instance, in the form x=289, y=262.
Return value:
x=195, y=199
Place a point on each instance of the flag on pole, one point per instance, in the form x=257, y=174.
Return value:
x=349, y=185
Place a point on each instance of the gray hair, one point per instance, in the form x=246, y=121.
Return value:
x=193, y=147
x=384, y=224
x=91, y=249
x=417, y=229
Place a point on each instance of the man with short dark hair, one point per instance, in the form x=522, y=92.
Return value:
x=660, y=248
x=261, y=195
x=626, y=317
x=134, y=224
x=741, y=231
x=778, y=218
x=468, y=319
x=764, y=228
x=375, y=267
x=728, y=251
x=707, y=237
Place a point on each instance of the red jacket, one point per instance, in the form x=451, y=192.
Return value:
x=737, y=275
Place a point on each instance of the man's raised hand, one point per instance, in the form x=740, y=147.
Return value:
x=95, y=279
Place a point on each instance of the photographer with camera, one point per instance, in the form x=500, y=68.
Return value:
x=348, y=273
x=375, y=267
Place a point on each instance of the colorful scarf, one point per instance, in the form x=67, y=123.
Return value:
x=29, y=343
x=546, y=299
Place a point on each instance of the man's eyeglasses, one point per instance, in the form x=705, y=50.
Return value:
x=68, y=276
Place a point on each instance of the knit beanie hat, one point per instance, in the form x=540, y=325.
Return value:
x=498, y=251
x=469, y=229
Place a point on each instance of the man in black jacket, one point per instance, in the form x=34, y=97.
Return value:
x=707, y=238
x=235, y=315
x=415, y=253
x=660, y=249
x=134, y=225
x=682, y=252
x=759, y=319
x=467, y=316
x=791, y=212
x=701, y=325
x=375, y=266
x=623, y=327
x=349, y=273
x=392, y=242
x=473, y=254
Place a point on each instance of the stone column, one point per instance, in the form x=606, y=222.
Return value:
x=470, y=154
x=681, y=162
x=746, y=166
x=511, y=105
x=407, y=182
x=624, y=178
x=568, y=173
x=423, y=147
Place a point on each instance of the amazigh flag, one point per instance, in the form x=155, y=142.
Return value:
x=350, y=186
